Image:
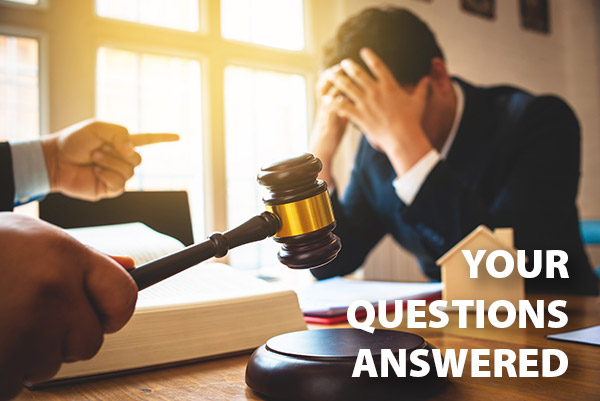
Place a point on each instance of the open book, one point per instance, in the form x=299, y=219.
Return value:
x=208, y=310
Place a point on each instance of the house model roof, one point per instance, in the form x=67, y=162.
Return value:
x=476, y=233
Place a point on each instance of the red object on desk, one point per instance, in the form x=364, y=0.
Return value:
x=359, y=314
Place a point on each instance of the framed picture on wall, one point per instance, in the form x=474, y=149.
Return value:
x=535, y=15
x=482, y=8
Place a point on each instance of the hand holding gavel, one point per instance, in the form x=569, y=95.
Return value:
x=299, y=216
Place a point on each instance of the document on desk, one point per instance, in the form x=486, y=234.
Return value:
x=332, y=297
x=589, y=335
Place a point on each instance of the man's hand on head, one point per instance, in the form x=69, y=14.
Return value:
x=94, y=160
x=57, y=299
x=329, y=127
x=389, y=115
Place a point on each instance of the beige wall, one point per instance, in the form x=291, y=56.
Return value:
x=564, y=62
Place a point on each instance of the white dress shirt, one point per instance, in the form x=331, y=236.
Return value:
x=409, y=184
x=29, y=171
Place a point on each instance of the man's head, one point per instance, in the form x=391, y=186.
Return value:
x=402, y=40
x=409, y=49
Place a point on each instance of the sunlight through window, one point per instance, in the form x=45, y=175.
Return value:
x=151, y=93
x=275, y=23
x=265, y=120
x=176, y=14
x=19, y=88
x=31, y=2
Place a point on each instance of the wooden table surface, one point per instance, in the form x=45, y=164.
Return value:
x=223, y=379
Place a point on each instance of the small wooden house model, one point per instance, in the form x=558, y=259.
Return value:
x=455, y=269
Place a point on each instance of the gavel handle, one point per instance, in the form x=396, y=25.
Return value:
x=257, y=228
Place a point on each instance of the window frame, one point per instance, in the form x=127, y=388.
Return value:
x=206, y=45
x=43, y=91
x=167, y=52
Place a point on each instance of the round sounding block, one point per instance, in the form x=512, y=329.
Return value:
x=318, y=365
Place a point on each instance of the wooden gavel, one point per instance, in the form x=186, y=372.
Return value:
x=299, y=216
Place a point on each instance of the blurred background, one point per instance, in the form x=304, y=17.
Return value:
x=235, y=78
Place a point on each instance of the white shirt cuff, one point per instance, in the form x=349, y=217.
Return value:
x=29, y=170
x=409, y=184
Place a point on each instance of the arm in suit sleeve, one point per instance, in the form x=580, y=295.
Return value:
x=7, y=184
x=537, y=198
x=357, y=225
x=24, y=177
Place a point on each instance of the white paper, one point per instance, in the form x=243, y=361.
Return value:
x=332, y=297
x=589, y=335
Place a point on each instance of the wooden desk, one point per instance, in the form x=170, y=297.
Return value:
x=223, y=379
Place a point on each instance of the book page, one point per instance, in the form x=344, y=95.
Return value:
x=204, y=282
x=136, y=240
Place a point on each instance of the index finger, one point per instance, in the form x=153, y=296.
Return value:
x=148, y=139
x=376, y=65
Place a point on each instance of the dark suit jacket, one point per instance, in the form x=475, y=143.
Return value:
x=7, y=185
x=514, y=163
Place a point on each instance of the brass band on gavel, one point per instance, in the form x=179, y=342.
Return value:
x=303, y=216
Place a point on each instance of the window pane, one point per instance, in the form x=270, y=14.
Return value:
x=265, y=120
x=24, y=1
x=177, y=14
x=19, y=88
x=275, y=23
x=151, y=93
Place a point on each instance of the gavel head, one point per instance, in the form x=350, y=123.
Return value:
x=303, y=208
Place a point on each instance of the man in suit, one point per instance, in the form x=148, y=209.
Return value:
x=440, y=156
x=57, y=296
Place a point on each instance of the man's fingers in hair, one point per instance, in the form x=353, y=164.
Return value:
x=326, y=80
x=357, y=74
x=333, y=93
x=376, y=65
x=348, y=87
x=324, y=83
x=346, y=109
